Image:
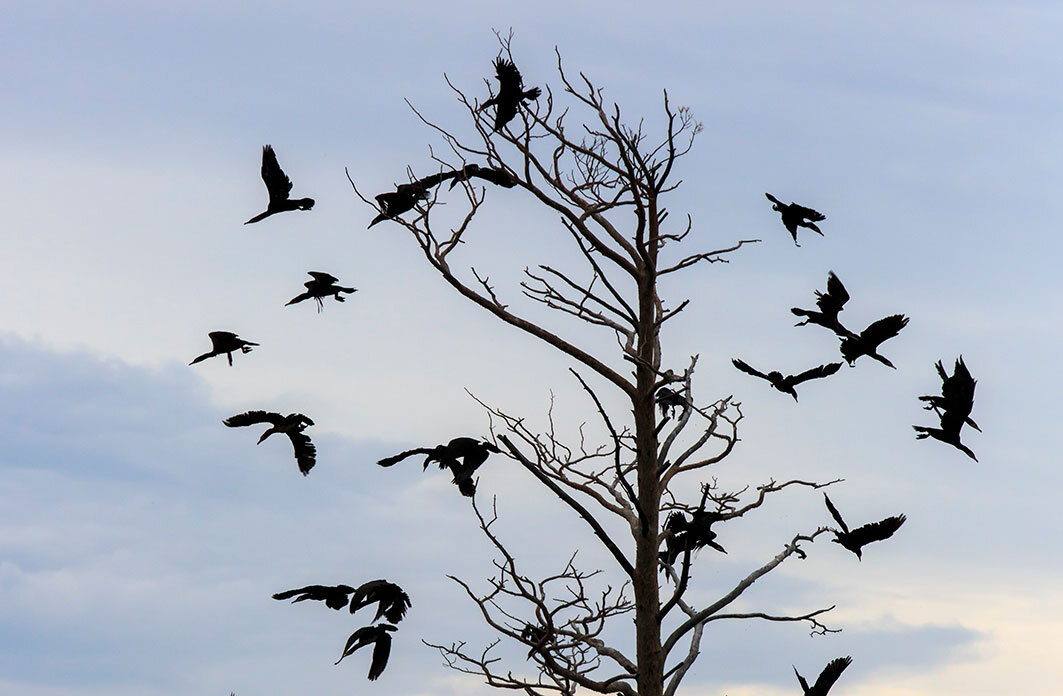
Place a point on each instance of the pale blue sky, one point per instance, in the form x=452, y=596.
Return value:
x=140, y=539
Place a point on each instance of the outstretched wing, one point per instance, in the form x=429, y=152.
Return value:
x=815, y=373
x=498, y=177
x=807, y=213
x=277, y=182
x=835, y=514
x=395, y=459
x=883, y=329
x=323, y=277
x=381, y=651
x=877, y=531
x=253, y=418
x=836, y=296
x=305, y=452
x=509, y=79
x=830, y=674
x=744, y=367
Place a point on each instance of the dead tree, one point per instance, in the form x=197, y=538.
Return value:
x=573, y=153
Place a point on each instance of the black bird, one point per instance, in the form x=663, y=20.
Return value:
x=511, y=93
x=377, y=636
x=949, y=432
x=826, y=678
x=470, y=451
x=786, y=384
x=291, y=425
x=871, y=338
x=498, y=177
x=862, y=536
x=393, y=601
x=689, y=535
x=225, y=342
x=323, y=285
x=536, y=636
x=957, y=392
x=830, y=303
x=794, y=216
x=669, y=400
x=333, y=597
x=406, y=196
x=279, y=186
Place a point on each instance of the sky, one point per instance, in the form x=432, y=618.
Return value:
x=140, y=540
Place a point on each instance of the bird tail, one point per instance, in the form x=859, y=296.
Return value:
x=201, y=358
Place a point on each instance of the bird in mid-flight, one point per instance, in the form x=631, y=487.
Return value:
x=867, y=343
x=379, y=637
x=786, y=383
x=957, y=393
x=334, y=597
x=794, y=216
x=225, y=342
x=470, y=451
x=826, y=678
x=279, y=187
x=392, y=602
x=498, y=177
x=291, y=425
x=830, y=303
x=689, y=534
x=861, y=536
x=949, y=432
x=511, y=93
x=321, y=286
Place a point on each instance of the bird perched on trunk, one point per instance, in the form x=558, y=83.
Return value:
x=787, y=383
x=378, y=636
x=392, y=600
x=867, y=343
x=957, y=393
x=861, y=536
x=334, y=597
x=826, y=678
x=830, y=303
x=470, y=451
x=279, y=187
x=511, y=93
x=794, y=216
x=291, y=425
x=322, y=285
x=225, y=342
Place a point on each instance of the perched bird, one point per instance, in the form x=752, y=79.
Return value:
x=279, y=186
x=786, y=384
x=957, y=393
x=826, y=678
x=322, y=285
x=333, y=597
x=830, y=303
x=498, y=177
x=470, y=451
x=794, y=216
x=511, y=93
x=861, y=536
x=689, y=535
x=392, y=601
x=536, y=636
x=669, y=400
x=871, y=338
x=949, y=432
x=291, y=425
x=377, y=636
x=225, y=342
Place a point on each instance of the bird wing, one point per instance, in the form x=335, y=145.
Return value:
x=252, y=418
x=299, y=298
x=305, y=452
x=744, y=367
x=216, y=336
x=508, y=76
x=807, y=213
x=395, y=459
x=311, y=592
x=365, y=594
x=815, y=373
x=877, y=531
x=381, y=651
x=835, y=297
x=393, y=603
x=362, y=637
x=830, y=674
x=883, y=329
x=434, y=180
x=326, y=278
x=676, y=522
x=959, y=388
x=835, y=514
x=801, y=680
x=277, y=182
x=498, y=177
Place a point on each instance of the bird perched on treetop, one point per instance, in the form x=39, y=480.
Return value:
x=291, y=425
x=511, y=93
x=794, y=216
x=279, y=187
x=225, y=342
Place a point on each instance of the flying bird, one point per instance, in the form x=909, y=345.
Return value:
x=406, y=196
x=689, y=535
x=279, y=187
x=225, y=342
x=333, y=597
x=379, y=638
x=826, y=678
x=830, y=303
x=498, y=177
x=949, y=432
x=472, y=453
x=392, y=601
x=291, y=425
x=957, y=393
x=861, y=536
x=321, y=286
x=867, y=343
x=511, y=93
x=794, y=216
x=787, y=383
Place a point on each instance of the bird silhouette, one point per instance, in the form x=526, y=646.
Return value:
x=949, y=432
x=225, y=342
x=498, y=177
x=392, y=600
x=291, y=425
x=471, y=452
x=511, y=93
x=794, y=216
x=861, y=536
x=830, y=303
x=867, y=343
x=406, y=196
x=669, y=400
x=279, y=187
x=957, y=392
x=379, y=637
x=334, y=597
x=689, y=534
x=787, y=383
x=826, y=678
x=322, y=285
x=536, y=636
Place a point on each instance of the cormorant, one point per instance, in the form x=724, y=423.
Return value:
x=536, y=636
x=333, y=597
x=322, y=285
x=498, y=177
x=794, y=216
x=393, y=601
x=689, y=535
x=867, y=343
x=861, y=536
x=957, y=392
x=225, y=342
x=669, y=400
x=377, y=636
x=826, y=678
x=279, y=186
x=471, y=451
x=511, y=93
x=830, y=303
x=949, y=432
x=786, y=384
x=291, y=425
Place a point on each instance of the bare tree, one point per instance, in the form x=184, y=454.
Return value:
x=606, y=180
